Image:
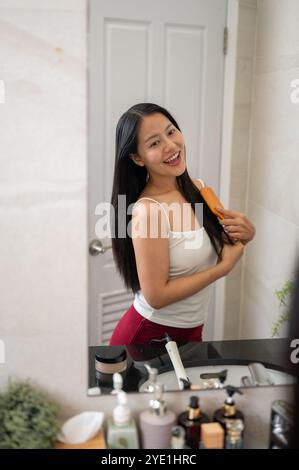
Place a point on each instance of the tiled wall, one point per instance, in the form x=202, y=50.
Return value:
x=273, y=190
x=265, y=164
x=240, y=150
x=43, y=203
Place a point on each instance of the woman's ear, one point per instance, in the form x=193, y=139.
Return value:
x=136, y=159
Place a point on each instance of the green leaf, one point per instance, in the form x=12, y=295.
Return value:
x=283, y=295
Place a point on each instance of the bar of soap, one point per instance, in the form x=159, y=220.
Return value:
x=212, y=435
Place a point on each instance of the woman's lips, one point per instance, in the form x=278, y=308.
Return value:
x=175, y=161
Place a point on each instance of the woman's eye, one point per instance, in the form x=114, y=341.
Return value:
x=154, y=143
x=172, y=131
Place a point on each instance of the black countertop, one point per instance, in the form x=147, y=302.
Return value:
x=273, y=353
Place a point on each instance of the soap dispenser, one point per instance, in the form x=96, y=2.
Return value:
x=191, y=420
x=228, y=409
x=121, y=428
x=157, y=422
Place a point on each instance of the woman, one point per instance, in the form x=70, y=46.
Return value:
x=169, y=263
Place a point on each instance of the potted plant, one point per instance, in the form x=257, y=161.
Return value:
x=284, y=296
x=28, y=419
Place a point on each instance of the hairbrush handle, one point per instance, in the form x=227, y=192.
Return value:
x=212, y=200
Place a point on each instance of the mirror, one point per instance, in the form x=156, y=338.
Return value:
x=178, y=62
x=191, y=366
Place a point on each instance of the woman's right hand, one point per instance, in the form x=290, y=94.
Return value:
x=230, y=255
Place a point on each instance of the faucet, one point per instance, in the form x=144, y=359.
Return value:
x=152, y=378
x=259, y=375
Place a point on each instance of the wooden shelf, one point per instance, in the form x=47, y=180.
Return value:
x=98, y=442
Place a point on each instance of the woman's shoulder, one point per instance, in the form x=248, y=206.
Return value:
x=164, y=197
x=169, y=196
x=198, y=183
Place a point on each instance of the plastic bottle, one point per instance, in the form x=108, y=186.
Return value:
x=121, y=428
x=156, y=422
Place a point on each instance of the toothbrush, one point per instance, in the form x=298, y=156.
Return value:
x=176, y=361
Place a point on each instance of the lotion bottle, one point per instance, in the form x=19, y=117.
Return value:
x=121, y=428
x=156, y=423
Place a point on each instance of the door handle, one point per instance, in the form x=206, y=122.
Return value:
x=96, y=247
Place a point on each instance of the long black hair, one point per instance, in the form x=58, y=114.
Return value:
x=130, y=180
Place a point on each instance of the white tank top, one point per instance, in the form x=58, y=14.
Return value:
x=189, y=252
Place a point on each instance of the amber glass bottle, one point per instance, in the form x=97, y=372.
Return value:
x=191, y=420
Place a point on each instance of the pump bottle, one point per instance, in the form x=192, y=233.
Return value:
x=121, y=428
x=191, y=420
x=156, y=422
x=228, y=411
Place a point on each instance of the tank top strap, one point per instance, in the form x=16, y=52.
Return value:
x=201, y=182
x=162, y=207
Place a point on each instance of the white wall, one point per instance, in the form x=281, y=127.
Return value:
x=273, y=190
x=43, y=205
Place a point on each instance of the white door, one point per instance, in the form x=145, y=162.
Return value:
x=169, y=52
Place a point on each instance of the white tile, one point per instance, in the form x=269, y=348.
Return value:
x=244, y=79
x=274, y=167
x=231, y=320
x=51, y=36
x=246, y=32
x=260, y=308
x=273, y=110
x=238, y=185
x=271, y=255
x=69, y=5
x=236, y=204
x=277, y=29
x=248, y=3
x=43, y=262
x=242, y=115
x=44, y=117
x=240, y=150
x=233, y=284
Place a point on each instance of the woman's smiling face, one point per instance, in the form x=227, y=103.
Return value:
x=161, y=146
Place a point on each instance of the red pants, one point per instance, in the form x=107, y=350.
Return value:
x=133, y=328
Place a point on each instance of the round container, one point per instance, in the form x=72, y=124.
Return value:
x=110, y=359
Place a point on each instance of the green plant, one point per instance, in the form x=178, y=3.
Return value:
x=283, y=295
x=28, y=419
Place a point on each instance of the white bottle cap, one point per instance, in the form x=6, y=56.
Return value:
x=121, y=413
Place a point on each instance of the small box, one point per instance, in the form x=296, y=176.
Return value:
x=212, y=435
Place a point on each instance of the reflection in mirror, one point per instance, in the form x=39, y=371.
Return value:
x=204, y=365
x=197, y=80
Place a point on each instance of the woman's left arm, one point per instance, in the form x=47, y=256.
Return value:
x=237, y=225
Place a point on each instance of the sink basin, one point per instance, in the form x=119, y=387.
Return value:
x=235, y=374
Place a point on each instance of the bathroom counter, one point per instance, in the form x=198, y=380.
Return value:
x=273, y=353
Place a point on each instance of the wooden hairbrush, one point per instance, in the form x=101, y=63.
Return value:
x=212, y=200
